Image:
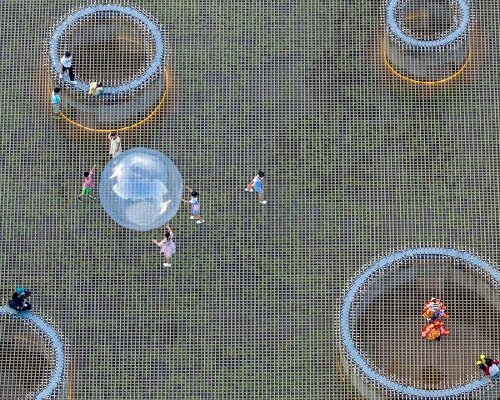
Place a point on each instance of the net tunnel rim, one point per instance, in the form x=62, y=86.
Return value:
x=460, y=31
x=360, y=280
x=56, y=377
x=146, y=22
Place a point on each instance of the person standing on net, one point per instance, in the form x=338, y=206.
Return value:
x=195, y=205
x=167, y=245
x=88, y=185
x=56, y=102
x=115, y=145
x=257, y=185
x=67, y=65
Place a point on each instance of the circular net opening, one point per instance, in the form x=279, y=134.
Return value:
x=108, y=47
x=428, y=19
x=385, y=322
x=27, y=359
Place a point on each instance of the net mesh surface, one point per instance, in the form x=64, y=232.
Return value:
x=33, y=363
x=386, y=322
x=359, y=164
x=111, y=48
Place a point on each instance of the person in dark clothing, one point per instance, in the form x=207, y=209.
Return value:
x=19, y=300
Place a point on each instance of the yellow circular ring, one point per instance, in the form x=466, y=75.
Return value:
x=125, y=128
x=428, y=83
x=69, y=390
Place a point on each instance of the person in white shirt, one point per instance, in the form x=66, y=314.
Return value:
x=115, y=145
x=67, y=65
x=95, y=88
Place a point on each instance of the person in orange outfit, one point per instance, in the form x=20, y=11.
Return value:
x=434, y=330
x=434, y=309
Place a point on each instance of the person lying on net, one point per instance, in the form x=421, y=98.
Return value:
x=434, y=331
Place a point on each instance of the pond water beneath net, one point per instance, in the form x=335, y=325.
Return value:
x=141, y=189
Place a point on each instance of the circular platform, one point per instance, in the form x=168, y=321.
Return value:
x=37, y=342
x=427, y=40
x=380, y=325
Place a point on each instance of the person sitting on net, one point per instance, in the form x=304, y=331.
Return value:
x=19, y=300
x=434, y=331
x=489, y=366
x=433, y=310
x=95, y=88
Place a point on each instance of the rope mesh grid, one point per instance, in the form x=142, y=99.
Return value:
x=387, y=301
x=33, y=357
x=108, y=47
x=359, y=164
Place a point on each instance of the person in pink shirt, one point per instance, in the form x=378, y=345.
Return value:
x=88, y=185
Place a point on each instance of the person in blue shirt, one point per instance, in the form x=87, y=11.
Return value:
x=257, y=185
x=56, y=102
x=195, y=205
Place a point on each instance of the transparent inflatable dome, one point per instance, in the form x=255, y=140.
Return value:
x=141, y=189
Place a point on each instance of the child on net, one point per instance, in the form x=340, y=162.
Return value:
x=195, y=205
x=167, y=245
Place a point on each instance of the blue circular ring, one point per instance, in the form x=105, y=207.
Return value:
x=348, y=343
x=152, y=28
x=58, y=372
x=427, y=44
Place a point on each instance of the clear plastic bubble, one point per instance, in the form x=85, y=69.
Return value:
x=141, y=189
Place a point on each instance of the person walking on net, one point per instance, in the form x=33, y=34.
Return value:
x=67, y=65
x=195, y=205
x=88, y=185
x=257, y=185
x=115, y=145
x=167, y=245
